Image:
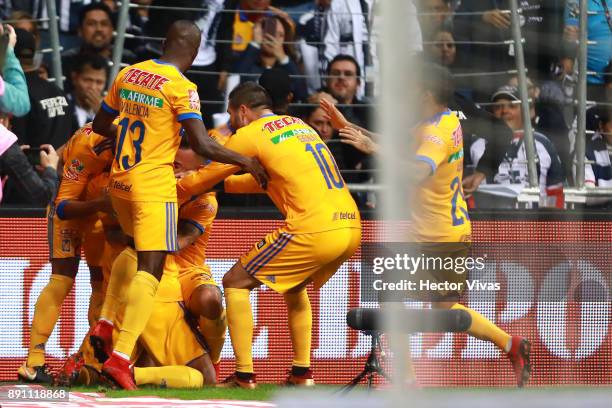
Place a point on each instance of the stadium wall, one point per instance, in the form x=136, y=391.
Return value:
x=570, y=336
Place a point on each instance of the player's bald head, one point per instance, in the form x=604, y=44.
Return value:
x=183, y=38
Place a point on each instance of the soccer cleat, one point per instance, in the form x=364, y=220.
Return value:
x=69, y=372
x=35, y=375
x=519, y=357
x=101, y=339
x=234, y=381
x=118, y=371
x=304, y=380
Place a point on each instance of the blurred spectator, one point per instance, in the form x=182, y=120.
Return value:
x=513, y=168
x=547, y=118
x=599, y=30
x=278, y=84
x=236, y=30
x=441, y=49
x=89, y=75
x=268, y=50
x=311, y=30
x=15, y=99
x=17, y=176
x=435, y=17
x=96, y=33
x=560, y=87
x=599, y=152
x=211, y=87
x=488, y=21
x=210, y=82
x=344, y=79
x=349, y=24
x=24, y=21
x=49, y=120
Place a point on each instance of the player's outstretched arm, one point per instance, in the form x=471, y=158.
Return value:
x=103, y=124
x=242, y=184
x=205, y=146
x=71, y=209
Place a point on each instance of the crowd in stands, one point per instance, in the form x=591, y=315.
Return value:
x=307, y=51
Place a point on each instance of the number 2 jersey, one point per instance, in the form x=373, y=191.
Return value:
x=151, y=98
x=439, y=210
x=305, y=183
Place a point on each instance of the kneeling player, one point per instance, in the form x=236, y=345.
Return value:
x=69, y=218
x=322, y=225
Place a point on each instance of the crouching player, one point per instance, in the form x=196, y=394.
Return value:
x=322, y=225
x=70, y=218
x=202, y=297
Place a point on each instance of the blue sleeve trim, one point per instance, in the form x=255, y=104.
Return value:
x=428, y=161
x=195, y=224
x=189, y=115
x=59, y=210
x=109, y=109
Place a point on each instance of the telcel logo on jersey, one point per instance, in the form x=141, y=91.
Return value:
x=118, y=185
x=344, y=215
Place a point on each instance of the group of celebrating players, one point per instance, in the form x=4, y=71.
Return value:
x=135, y=195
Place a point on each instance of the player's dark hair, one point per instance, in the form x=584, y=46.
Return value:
x=95, y=6
x=345, y=57
x=250, y=94
x=437, y=80
x=94, y=61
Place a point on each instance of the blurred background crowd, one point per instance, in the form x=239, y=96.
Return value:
x=303, y=51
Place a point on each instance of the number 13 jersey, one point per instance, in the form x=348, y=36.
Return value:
x=151, y=98
x=438, y=206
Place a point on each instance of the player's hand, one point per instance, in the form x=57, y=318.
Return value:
x=471, y=182
x=351, y=136
x=254, y=167
x=497, y=19
x=337, y=119
x=104, y=204
x=48, y=157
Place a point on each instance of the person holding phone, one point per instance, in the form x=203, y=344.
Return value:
x=272, y=47
x=29, y=174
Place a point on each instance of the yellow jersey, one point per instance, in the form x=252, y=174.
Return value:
x=305, y=183
x=151, y=98
x=199, y=212
x=85, y=155
x=439, y=208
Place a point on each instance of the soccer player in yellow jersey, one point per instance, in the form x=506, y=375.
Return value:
x=439, y=211
x=153, y=101
x=322, y=226
x=70, y=218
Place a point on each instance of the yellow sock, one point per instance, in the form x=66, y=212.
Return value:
x=95, y=302
x=483, y=329
x=46, y=313
x=240, y=322
x=139, y=305
x=170, y=376
x=214, y=334
x=122, y=273
x=300, y=326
